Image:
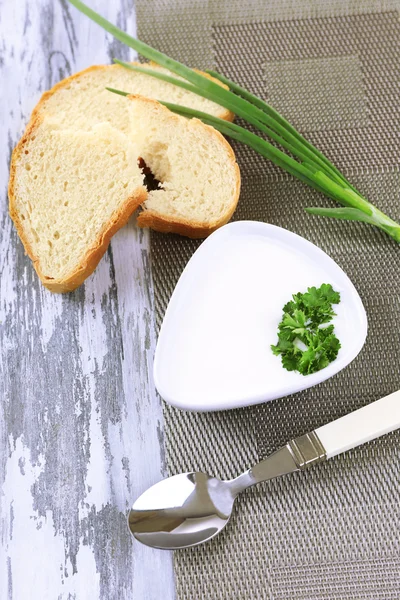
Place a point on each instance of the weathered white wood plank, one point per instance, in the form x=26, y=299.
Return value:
x=80, y=424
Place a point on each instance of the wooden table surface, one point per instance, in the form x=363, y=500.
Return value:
x=81, y=430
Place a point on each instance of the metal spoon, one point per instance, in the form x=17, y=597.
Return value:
x=191, y=508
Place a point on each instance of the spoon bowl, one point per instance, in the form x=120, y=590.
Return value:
x=181, y=511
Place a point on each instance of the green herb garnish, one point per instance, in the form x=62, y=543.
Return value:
x=305, y=342
x=298, y=157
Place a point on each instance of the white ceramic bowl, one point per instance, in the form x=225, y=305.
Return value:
x=213, y=352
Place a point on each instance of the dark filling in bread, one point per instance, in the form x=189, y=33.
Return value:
x=150, y=181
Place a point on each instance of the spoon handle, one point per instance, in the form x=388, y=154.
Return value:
x=354, y=429
x=360, y=426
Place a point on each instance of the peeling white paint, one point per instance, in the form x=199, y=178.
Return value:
x=30, y=538
x=79, y=417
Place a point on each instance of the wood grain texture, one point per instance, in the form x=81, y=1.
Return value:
x=80, y=424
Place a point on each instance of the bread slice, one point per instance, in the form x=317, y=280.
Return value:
x=82, y=100
x=70, y=191
x=196, y=167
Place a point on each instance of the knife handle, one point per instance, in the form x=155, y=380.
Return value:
x=360, y=426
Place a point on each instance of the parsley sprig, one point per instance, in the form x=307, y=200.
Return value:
x=305, y=342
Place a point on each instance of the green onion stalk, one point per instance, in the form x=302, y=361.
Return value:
x=303, y=161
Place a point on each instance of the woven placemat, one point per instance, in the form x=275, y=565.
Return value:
x=334, y=531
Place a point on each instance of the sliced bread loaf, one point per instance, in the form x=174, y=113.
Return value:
x=196, y=167
x=81, y=101
x=70, y=191
x=75, y=179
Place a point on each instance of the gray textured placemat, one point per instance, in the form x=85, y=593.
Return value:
x=334, y=531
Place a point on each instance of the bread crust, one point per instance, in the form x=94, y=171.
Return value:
x=93, y=255
x=191, y=229
x=149, y=218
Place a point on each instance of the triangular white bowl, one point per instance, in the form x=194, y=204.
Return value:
x=213, y=351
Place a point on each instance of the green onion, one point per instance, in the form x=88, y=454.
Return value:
x=348, y=214
x=213, y=91
x=302, y=171
x=273, y=113
x=305, y=172
x=290, y=142
x=296, y=150
x=312, y=167
x=239, y=133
